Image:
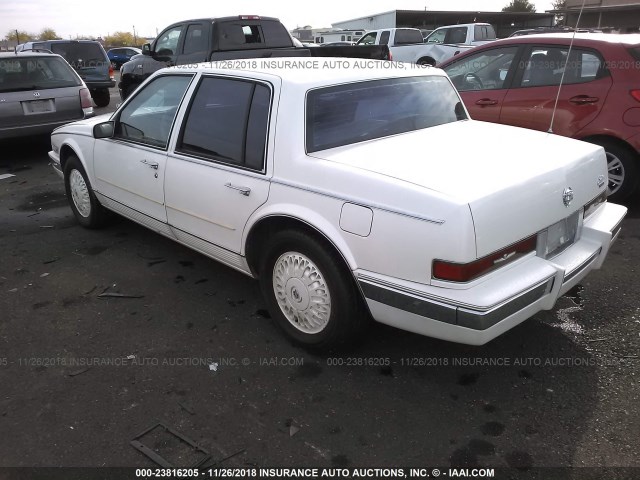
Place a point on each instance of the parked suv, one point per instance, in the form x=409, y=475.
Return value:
x=119, y=56
x=39, y=92
x=516, y=81
x=88, y=58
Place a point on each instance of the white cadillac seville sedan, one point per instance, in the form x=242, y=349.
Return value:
x=350, y=192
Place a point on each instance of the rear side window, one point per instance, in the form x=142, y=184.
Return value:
x=484, y=32
x=356, y=112
x=456, y=35
x=33, y=73
x=80, y=55
x=228, y=122
x=406, y=35
x=384, y=37
x=195, y=40
x=545, y=66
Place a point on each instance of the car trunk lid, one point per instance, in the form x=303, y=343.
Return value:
x=515, y=181
x=28, y=107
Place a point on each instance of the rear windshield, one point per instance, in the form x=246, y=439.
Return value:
x=248, y=34
x=81, y=55
x=35, y=73
x=356, y=112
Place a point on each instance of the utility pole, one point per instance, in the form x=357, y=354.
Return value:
x=135, y=38
x=17, y=36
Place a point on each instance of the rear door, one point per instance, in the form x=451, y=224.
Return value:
x=530, y=101
x=483, y=79
x=196, y=43
x=217, y=176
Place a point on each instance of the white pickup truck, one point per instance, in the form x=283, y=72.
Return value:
x=407, y=45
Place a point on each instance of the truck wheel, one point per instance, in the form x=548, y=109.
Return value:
x=310, y=292
x=426, y=61
x=84, y=204
x=101, y=97
x=622, y=167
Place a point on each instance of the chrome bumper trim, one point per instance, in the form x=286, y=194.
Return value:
x=454, y=315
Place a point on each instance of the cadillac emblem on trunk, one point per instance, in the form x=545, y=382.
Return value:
x=567, y=196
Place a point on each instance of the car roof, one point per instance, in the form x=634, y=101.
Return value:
x=27, y=54
x=305, y=70
x=580, y=39
x=612, y=38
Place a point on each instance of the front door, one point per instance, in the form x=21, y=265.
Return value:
x=482, y=80
x=130, y=167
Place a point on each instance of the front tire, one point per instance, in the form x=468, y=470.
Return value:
x=84, y=204
x=310, y=292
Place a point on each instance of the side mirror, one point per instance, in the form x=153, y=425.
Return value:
x=103, y=130
x=146, y=49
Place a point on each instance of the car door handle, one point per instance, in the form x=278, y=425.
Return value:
x=486, y=101
x=583, y=100
x=153, y=165
x=243, y=190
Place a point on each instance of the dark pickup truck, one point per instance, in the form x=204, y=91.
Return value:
x=225, y=38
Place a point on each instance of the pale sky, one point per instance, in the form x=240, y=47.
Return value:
x=70, y=18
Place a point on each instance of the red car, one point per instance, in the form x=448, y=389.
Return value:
x=516, y=81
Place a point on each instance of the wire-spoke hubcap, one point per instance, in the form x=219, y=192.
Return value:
x=616, y=173
x=301, y=292
x=79, y=193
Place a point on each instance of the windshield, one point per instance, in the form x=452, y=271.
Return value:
x=35, y=73
x=352, y=113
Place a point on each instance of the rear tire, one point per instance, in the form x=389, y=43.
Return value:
x=84, y=204
x=622, y=168
x=101, y=97
x=310, y=292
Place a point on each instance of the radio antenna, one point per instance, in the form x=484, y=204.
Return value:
x=555, y=106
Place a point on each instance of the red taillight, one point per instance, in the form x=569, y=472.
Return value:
x=85, y=98
x=111, y=72
x=464, y=272
x=249, y=17
x=635, y=94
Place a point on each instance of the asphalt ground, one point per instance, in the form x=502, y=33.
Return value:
x=191, y=346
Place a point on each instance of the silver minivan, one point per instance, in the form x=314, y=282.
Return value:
x=39, y=92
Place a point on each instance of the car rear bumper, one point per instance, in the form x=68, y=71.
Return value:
x=480, y=313
x=94, y=85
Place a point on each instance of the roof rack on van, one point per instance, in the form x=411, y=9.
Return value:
x=39, y=50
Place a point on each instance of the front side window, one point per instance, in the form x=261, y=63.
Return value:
x=356, y=112
x=437, y=36
x=167, y=44
x=228, y=122
x=148, y=117
x=483, y=71
x=369, y=39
